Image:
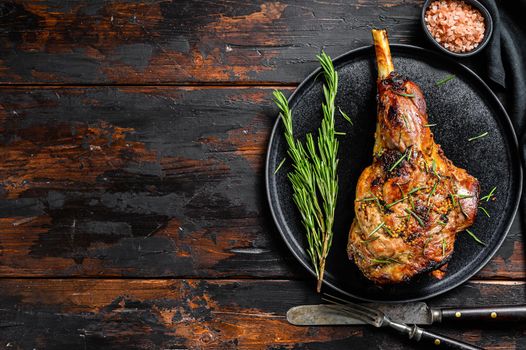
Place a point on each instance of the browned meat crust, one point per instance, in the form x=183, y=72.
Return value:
x=412, y=201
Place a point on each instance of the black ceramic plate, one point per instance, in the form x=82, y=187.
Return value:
x=462, y=108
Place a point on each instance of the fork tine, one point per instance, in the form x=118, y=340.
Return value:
x=363, y=308
x=347, y=308
x=367, y=318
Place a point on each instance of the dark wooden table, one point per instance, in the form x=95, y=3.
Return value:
x=133, y=212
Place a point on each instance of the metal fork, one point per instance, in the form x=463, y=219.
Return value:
x=378, y=319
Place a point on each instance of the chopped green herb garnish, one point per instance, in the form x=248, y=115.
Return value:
x=345, y=116
x=475, y=237
x=444, y=246
x=388, y=230
x=279, y=166
x=416, y=189
x=489, y=195
x=445, y=80
x=410, y=153
x=453, y=200
x=432, y=192
x=440, y=222
x=371, y=239
x=415, y=215
x=463, y=196
x=388, y=206
x=399, y=160
x=385, y=261
x=404, y=94
x=426, y=242
x=412, y=202
x=376, y=229
x=372, y=198
x=485, y=211
x=430, y=125
x=367, y=199
x=478, y=136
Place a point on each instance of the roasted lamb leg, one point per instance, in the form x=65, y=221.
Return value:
x=412, y=201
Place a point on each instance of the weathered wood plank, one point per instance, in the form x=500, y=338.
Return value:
x=146, y=182
x=204, y=314
x=153, y=42
x=136, y=182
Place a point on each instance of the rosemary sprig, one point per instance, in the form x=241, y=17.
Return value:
x=279, y=165
x=484, y=211
x=445, y=80
x=478, y=240
x=314, y=176
x=415, y=215
x=484, y=134
x=490, y=195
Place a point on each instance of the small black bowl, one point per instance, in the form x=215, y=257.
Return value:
x=487, y=34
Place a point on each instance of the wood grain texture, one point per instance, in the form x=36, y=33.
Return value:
x=204, y=314
x=154, y=42
x=147, y=182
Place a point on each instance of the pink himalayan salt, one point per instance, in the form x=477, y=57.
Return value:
x=457, y=26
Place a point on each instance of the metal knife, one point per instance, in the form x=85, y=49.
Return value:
x=409, y=313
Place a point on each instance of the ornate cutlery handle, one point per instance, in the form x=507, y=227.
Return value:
x=438, y=341
x=497, y=313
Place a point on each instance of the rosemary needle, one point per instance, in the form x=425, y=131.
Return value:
x=404, y=94
x=489, y=195
x=415, y=215
x=475, y=237
x=485, y=211
x=345, y=116
x=430, y=125
x=399, y=160
x=445, y=80
x=388, y=206
x=484, y=134
x=376, y=229
x=385, y=261
x=279, y=165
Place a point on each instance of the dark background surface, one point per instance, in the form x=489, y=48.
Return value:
x=133, y=211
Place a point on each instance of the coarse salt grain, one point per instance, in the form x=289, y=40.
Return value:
x=457, y=26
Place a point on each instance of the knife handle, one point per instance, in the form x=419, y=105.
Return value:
x=493, y=314
x=438, y=341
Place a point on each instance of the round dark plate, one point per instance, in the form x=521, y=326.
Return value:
x=462, y=108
